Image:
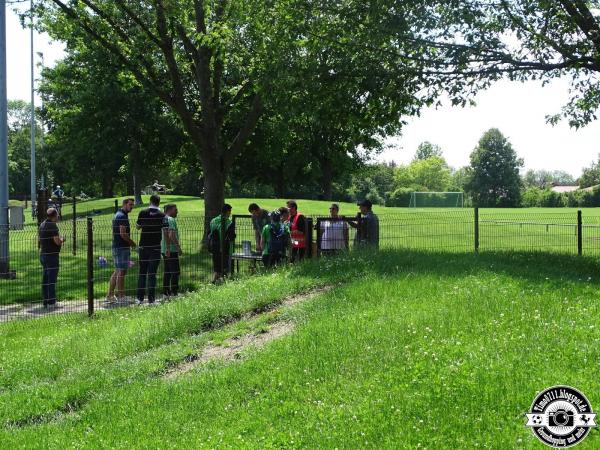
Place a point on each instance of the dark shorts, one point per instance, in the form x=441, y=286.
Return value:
x=121, y=257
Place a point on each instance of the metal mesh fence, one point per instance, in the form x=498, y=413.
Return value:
x=87, y=258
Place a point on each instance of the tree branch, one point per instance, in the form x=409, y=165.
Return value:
x=254, y=115
x=150, y=79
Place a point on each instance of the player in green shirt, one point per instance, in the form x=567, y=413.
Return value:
x=275, y=240
x=222, y=223
x=171, y=249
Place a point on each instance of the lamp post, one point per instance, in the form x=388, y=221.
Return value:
x=42, y=131
x=4, y=256
x=33, y=178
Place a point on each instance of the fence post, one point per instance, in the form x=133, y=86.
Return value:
x=319, y=237
x=308, y=237
x=116, y=205
x=90, y=266
x=476, y=223
x=579, y=236
x=74, y=226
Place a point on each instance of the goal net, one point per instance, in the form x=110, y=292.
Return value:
x=436, y=200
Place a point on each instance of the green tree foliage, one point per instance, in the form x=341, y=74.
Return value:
x=431, y=174
x=478, y=42
x=590, y=175
x=102, y=121
x=374, y=182
x=494, y=178
x=19, y=147
x=347, y=70
x=545, y=178
x=459, y=179
x=427, y=150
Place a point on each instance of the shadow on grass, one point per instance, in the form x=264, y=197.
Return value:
x=552, y=270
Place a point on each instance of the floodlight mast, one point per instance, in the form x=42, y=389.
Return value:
x=33, y=186
x=4, y=256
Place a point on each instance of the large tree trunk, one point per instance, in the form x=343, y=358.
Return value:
x=214, y=189
x=107, y=187
x=137, y=191
x=327, y=178
x=280, y=182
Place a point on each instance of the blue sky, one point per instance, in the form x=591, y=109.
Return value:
x=517, y=109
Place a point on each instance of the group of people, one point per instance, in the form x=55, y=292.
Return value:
x=280, y=234
x=159, y=237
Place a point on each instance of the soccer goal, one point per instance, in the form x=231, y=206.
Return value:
x=436, y=200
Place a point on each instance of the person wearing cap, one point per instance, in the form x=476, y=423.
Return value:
x=298, y=231
x=260, y=218
x=50, y=243
x=367, y=226
x=275, y=239
x=334, y=233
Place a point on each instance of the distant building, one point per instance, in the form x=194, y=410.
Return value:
x=561, y=188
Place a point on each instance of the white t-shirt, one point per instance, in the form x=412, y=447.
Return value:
x=332, y=234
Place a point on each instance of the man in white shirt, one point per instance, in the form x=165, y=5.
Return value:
x=334, y=232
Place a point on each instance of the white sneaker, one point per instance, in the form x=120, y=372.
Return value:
x=111, y=300
x=139, y=302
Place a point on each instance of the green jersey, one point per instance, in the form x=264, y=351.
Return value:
x=266, y=235
x=215, y=225
x=171, y=223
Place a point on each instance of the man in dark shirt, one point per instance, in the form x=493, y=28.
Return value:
x=121, y=251
x=152, y=223
x=260, y=218
x=367, y=226
x=50, y=243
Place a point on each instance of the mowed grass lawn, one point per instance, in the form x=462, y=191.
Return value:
x=407, y=350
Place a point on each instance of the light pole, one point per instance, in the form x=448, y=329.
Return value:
x=33, y=179
x=4, y=256
x=42, y=131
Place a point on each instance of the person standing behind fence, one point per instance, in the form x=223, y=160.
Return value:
x=171, y=250
x=334, y=233
x=221, y=237
x=298, y=231
x=260, y=218
x=367, y=226
x=151, y=222
x=121, y=251
x=275, y=238
x=50, y=243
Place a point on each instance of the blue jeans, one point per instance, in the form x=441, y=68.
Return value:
x=149, y=261
x=50, y=274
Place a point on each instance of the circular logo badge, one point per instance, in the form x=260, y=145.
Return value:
x=560, y=417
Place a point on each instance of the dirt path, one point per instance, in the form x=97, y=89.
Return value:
x=233, y=348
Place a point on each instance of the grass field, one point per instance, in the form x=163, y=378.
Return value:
x=408, y=350
x=450, y=230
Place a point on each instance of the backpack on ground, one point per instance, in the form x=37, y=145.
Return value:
x=278, y=240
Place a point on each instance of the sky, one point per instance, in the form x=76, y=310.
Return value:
x=517, y=109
